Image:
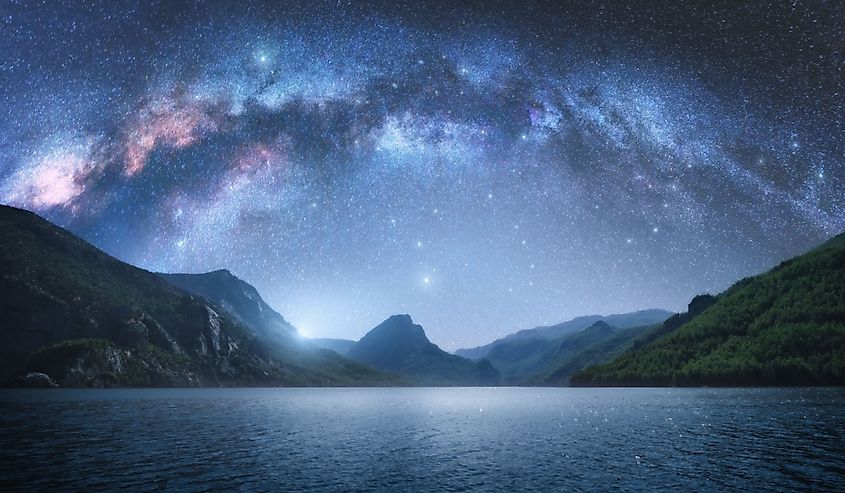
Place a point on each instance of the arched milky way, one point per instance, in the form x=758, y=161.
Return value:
x=484, y=168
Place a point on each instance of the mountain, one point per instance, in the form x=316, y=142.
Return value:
x=783, y=327
x=552, y=362
x=530, y=355
x=588, y=348
x=242, y=300
x=340, y=346
x=400, y=346
x=639, y=318
x=83, y=318
x=239, y=299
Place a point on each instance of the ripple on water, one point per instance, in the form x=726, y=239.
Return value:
x=423, y=439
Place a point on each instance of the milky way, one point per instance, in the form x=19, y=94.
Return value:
x=485, y=168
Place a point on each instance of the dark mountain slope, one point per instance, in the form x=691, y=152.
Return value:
x=535, y=334
x=541, y=356
x=602, y=348
x=340, y=346
x=552, y=332
x=784, y=327
x=88, y=319
x=530, y=355
x=532, y=361
x=398, y=345
x=239, y=299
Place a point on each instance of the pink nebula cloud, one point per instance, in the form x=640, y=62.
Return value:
x=165, y=121
x=56, y=180
x=259, y=156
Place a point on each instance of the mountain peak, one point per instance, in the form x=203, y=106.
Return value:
x=399, y=345
x=399, y=321
x=386, y=345
x=398, y=329
x=601, y=325
x=400, y=318
x=700, y=303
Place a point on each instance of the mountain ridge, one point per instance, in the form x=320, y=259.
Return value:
x=529, y=356
x=238, y=298
x=93, y=320
x=636, y=318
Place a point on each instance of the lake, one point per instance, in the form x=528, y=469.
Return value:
x=423, y=439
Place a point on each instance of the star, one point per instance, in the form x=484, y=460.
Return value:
x=312, y=152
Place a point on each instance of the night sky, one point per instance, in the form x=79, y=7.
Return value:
x=485, y=168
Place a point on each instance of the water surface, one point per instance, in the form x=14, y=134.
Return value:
x=423, y=439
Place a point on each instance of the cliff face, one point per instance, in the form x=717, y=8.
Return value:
x=239, y=299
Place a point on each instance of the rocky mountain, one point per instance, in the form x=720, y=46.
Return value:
x=239, y=299
x=400, y=346
x=84, y=318
x=783, y=327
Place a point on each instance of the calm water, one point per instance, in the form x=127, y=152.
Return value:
x=507, y=439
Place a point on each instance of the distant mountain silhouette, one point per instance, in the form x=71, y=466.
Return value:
x=783, y=327
x=597, y=344
x=83, y=318
x=529, y=355
x=622, y=321
x=340, y=346
x=400, y=346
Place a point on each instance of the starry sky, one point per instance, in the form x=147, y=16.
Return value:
x=485, y=167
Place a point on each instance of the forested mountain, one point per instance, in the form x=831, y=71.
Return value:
x=783, y=327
